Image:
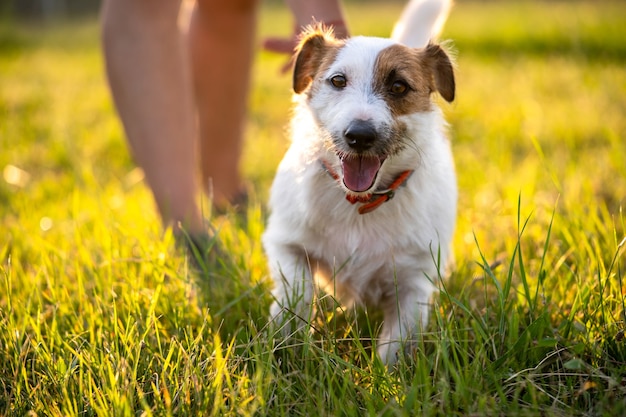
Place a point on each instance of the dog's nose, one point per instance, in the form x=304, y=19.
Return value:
x=360, y=135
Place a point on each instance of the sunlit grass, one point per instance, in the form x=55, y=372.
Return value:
x=102, y=314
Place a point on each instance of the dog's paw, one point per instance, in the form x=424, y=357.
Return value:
x=285, y=322
x=392, y=351
x=389, y=351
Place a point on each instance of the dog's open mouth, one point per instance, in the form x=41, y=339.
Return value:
x=359, y=171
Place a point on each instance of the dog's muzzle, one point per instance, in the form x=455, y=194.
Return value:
x=359, y=168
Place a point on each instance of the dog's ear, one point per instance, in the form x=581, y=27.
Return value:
x=310, y=53
x=442, y=70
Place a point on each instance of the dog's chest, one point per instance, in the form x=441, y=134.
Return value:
x=355, y=267
x=352, y=245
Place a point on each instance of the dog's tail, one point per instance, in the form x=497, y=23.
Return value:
x=421, y=21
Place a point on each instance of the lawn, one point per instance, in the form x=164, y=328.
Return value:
x=102, y=314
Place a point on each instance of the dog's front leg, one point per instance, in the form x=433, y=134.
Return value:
x=293, y=290
x=404, y=318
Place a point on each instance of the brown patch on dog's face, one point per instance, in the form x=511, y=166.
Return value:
x=405, y=77
x=315, y=53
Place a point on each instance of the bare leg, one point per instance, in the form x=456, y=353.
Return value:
x=221, y=41
x=148, y=72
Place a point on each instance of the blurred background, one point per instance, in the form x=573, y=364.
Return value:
x=48, y=9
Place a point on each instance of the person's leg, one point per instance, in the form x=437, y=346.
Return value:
x=148, y=71
x=221, y=40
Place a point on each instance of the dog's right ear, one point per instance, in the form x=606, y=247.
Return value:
x=312, y=51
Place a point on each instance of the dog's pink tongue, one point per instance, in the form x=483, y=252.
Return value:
x=360, y=172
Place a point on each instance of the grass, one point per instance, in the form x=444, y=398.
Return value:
x=101, y=314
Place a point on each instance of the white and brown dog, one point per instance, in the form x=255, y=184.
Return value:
x=364, y=201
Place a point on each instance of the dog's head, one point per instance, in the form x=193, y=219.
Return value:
x=361, y=92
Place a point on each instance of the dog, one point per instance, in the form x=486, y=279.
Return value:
x=363, y=204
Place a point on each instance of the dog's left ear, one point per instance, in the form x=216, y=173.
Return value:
x=442, y=70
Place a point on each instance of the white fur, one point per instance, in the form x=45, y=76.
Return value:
x=391, y=257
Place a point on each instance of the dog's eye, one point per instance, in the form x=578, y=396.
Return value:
x=338, y=81
x=398, y=88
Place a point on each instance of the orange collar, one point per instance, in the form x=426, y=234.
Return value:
x=374, y=200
